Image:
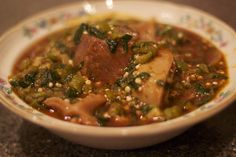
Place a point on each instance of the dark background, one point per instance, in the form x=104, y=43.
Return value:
x=215, y=137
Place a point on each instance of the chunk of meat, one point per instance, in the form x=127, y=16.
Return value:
x=159, y=68
x=102, y=65
x=83, y=108
x=99, y=63
x=212, y=57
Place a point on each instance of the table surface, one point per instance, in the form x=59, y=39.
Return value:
x=215, y=137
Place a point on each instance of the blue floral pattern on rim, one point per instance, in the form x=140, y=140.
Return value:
x=30, y=31
x=205, y=25
x=7, y=91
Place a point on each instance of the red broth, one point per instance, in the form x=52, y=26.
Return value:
x=119, y=73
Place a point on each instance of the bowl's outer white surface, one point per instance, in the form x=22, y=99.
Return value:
x=15, y=41
x=121, y=142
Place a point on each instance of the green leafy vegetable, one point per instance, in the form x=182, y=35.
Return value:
x=79, y=32
x=68, y=78
x=131, y=67
x=64, y=49
x=112, y=44
x=144, y=75
x=203, y=69
x=77, y=82
x=25, y=81
x=22, y=83
x=133, y=85
x=146, y=50
x=218, y=76
x=145, y=109
x=80, y=65
x=91, y=31
x=160, y=83
x=48, y=75
x=124, y=40
x=145, y=57
x=95, y=32
x=200, y=88
x=14, y=83
x=129, y=81
x=181, y=65
x=102, y=120
x=173, y=112
x=171, y=35
x=144, y=47
x=38, y=105
x=72, y=93
x=164, y=31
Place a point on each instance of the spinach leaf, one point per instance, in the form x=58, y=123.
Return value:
x=218, y=76
x=22, y=83
x=102, y=120
x=112, y=44
x=95, y=32
x=161, y=83
x=167, y=30
x=144, y=75
x=131, y=67
x=145, y=109
x=181, y=65
x=128, y=81
x=124, y=40
x=25, y=81
x=144, y=47
x=202, y=69
x=79, y=32
x=90, y=29
x=72, y=93
x=48, y=75
x=200, y=88
x=64, y=49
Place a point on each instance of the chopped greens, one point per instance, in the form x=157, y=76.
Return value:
x=145, y=58
x=145, y=109
x=171, y=35
x=218, y=76
x=25, y=81
x=64, y=49
x=79, y=32
x=181, y=65
x=102, y=120
x=93, y=31
x=144, y=75
x=72, y=93
x=202, y=68
x=112, y=44
x=145, y=50
x=160, y=83
x=144, y=47
x=45, y=76
x=200, y=88
x=124, y=40
x=104, y=72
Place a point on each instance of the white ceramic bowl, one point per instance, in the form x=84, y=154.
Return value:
x=13, y=42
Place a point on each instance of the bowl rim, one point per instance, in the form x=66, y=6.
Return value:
x=131, y=131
